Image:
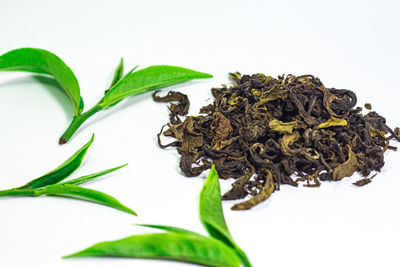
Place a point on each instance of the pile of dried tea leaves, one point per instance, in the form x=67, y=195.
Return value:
x=266, y=131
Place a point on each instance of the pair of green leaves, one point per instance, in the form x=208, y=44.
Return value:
x=42, y=62
x=179, y=244
x=49, y=184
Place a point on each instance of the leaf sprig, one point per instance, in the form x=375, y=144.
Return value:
x=49, y=184
x=180, y=244
x=43, y=62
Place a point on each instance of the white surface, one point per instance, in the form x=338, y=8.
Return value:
x=348, y=44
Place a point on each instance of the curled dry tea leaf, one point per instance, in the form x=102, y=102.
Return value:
x=43, y=62
x=62, y=171
x=180, y=108
x=282, y=127
x=166, y=246
x=292, y=126
x=332, y=122
x=262, y=196
x=347, y=168
x=364, y=181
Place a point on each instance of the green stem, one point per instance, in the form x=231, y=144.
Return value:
x=77, y=122
x=16, y=192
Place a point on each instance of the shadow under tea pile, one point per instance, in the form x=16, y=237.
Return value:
x=264, y=132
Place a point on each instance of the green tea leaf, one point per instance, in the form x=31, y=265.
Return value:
x=169, y=229
x=87, y=178
x=119, y=73
x=43, y=62
x=62, y=171
x=212, y=215
x=148, y=79
x=166, y=246
x=71, y=191
x=74, y=191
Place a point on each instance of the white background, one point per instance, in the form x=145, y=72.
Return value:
x=348, y=44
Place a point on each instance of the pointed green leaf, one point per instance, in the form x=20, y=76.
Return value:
x=74, y=191
x=62, y=171
x=169, y=228
x=87, y=178
x=167, y=246
x=148, y=79
x=43, y=62
x=119, y=72
x=212, y=215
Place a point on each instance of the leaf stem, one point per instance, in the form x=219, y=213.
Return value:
x=16, y=192
x=77, y=122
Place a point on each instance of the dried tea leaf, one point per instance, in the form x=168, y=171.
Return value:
x=292, y=126
x=362, y=182
x=286, y=141
x=347, y=168
x=221, y=126
x=262, y=196
x=368, y=106
x=181, y=108
x=282, y=127
x=332, y=122
x=221, y=144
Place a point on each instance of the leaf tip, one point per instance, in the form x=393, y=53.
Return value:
x=213, y=171
x=62, y=140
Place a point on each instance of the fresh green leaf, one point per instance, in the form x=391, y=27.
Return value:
x=180, y=244
x=43, y=62
x=87, y=178
x=149, y=79
x=169, y=229
x=212, y=215
x=118, y=74
x=62, y=171
x=74, y=191
x=166, y=246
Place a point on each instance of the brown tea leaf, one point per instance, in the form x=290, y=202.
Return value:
x=221, y=126
x=286, y=141
x=348, y=168
x=260, y=197
x=291, y=126
x=181, y=108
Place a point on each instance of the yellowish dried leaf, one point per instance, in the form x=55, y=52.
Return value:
x=282, y=127
x=286, y=141
x=347, y=168
x=260, y=197
x=332, y=122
